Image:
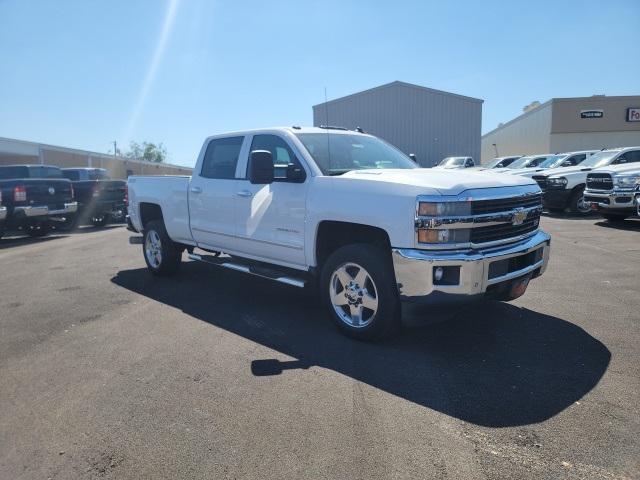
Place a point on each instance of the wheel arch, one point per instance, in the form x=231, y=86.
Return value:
x=331, y=235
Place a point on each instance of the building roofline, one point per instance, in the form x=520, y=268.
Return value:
x=400, y=83
x=559, y=99
x=88, y=152
x=519, y=117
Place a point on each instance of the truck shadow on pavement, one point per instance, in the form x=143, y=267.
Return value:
x=493, y=364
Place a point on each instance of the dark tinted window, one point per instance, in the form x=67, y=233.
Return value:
x=73, y=175
x=629, y=157
x=283, y=157
x=98, y=174
x=7, y=173
x=221, y=158
x=50, y=172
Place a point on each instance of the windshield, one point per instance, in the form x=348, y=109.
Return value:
x=554, y=161
x=452, y=161
x=339, y=153
x=600, y=159
x=521, y=162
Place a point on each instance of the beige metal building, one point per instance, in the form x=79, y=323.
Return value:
x=567, y=124
x=21, y=152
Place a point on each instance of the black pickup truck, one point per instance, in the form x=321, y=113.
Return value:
x=35, y=196
x=100, y=199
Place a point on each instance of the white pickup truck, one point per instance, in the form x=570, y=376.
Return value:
x=348, y=213
x=564, y=187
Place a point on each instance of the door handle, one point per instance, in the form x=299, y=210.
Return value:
x=244, y=193
x=196, y=190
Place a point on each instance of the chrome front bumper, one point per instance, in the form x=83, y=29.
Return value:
x=414, y=268
x=3, y=213
x=611, y=199
x=41, y=211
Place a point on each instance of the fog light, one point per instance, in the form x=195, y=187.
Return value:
x=437, y=273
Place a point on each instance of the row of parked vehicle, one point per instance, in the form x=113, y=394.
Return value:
x=36, y=198
x=606, y=181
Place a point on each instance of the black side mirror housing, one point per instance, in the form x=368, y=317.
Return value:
x=413, y=157
x=261, y=167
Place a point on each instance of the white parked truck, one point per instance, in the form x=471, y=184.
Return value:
x=564, y=187
x=348, y=213
x=612, y=191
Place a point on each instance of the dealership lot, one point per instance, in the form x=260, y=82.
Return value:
x=106, y=371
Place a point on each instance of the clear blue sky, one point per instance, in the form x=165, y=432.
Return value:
x=83, y=73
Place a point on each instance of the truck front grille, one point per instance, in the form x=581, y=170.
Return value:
x=599, y=181
x=479, y=207
x=504, y=231
x=489, y=222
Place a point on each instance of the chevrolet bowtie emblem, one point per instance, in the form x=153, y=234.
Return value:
x=519, y=216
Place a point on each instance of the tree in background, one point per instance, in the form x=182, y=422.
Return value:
x=147, y=151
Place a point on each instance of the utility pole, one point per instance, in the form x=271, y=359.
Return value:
x=115, y=149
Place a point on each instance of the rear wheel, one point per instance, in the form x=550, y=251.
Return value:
x=612, y=217
x=161, y=254
x=100, y=221
x=359, y=291
x=38, y=229
x=577, y=204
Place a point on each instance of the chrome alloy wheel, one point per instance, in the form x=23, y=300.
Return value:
x=583, y=207
x=353, y=295
x=153, y=249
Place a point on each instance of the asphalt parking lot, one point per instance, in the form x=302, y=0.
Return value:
x=107, y=372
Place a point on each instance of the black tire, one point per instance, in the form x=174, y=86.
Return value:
x=1, y=230
x=100, y=221
x=36, y=230
x=168, y=262
x=576, y=202
x=376, y=263
x=612, y=217
x=70, y=223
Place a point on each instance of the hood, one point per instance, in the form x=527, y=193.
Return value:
x=567, y=170
x=622, y=168
x=444, y=181
x=449, y=167
x=520, y=171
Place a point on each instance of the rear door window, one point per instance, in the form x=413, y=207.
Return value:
x=221, y=158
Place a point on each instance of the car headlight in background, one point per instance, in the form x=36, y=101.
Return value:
x=557, y=182
x=626, y=181
x=443, y=209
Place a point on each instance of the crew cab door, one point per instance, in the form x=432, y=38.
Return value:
x=212, y=194
x=270, y=219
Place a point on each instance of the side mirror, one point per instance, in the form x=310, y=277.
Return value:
x=261, y=167
x=295, y=173
x=567, y=163
x=413, y=157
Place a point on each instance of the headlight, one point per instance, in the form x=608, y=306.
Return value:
x=443, y=209
x=626, y=181
x=558, y=182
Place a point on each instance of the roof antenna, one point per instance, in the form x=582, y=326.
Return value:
x=326, y=114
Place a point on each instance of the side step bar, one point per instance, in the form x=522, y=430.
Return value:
x=270, y=274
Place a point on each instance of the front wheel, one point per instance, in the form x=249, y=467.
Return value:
x=161, y=254
x=359, y=291
x=577, y=204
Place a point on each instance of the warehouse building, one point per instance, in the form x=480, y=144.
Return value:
x=432, y=124
x=567, y=124
x=14, y=152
